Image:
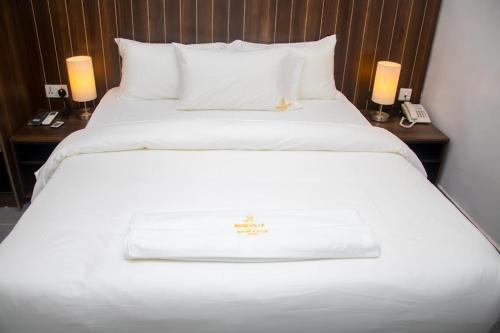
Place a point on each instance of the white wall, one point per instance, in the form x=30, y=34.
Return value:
x=462, y=95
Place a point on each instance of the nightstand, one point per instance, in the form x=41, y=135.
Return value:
x=32, y=146
x=426, y=140
x=7, y=196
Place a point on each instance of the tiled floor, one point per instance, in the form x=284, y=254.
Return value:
x=8, y=218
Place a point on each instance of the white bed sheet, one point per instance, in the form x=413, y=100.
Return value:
x=114, y=110
x=65, y=272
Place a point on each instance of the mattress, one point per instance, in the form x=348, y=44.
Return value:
x=63, y=268
x=113, y=110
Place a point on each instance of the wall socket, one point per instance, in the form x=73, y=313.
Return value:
x=51, y=90
x=404, y=94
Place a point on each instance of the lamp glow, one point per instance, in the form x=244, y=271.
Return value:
x=385, y=87
x=81, y=80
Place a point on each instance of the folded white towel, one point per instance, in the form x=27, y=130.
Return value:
x=250, y=237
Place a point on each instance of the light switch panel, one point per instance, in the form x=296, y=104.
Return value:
x=51, y=90
x=404, y=94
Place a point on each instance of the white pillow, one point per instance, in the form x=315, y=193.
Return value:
x=250, y=80
x=150, y=71
x=290, y=74
x=316, y=81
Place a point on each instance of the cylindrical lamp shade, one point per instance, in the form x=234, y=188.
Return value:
x=386, y=82
x=81, y=78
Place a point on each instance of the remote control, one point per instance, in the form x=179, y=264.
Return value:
x=50, y=118
x=57, y=124
x=37, y=120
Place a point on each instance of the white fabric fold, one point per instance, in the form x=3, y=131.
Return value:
x=221, y=134
x=250, y=237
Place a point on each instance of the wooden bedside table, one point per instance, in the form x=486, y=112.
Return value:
x=32, y=146
x=426, y=140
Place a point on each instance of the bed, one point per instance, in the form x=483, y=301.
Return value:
x=63, y=269
x=177, y=137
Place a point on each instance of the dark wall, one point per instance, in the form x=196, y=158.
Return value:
x=367, y=31
x=16, y=86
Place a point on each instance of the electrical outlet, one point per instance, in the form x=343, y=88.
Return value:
x=52, y=90
x=404, y=94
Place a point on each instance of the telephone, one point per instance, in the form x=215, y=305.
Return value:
x=414, y=113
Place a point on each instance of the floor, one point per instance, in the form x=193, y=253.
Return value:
x=8, y=218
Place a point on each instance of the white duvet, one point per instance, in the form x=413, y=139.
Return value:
x=204, y=134
x=62, y=267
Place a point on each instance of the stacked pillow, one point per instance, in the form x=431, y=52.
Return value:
x=253, y=80
x=316, y=81
x=150, y=71
x=236, y=76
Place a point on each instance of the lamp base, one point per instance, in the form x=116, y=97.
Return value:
x=85, y=113
x=379, y=116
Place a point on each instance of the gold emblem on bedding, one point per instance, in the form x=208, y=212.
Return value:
x=250, y=227
x=283, y=105
x=249, y=218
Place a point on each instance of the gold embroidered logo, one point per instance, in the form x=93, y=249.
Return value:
x=283, y=105
x=249, y=218
x=249, y=227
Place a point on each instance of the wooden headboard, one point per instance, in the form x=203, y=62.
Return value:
x=367, y=31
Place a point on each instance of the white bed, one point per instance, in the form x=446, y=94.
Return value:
x=63, y=268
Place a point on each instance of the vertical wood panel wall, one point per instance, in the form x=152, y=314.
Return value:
x=367, y=31
x=16, y=84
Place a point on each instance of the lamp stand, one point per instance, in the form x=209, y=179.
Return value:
x=379, y=116
x=86, y=112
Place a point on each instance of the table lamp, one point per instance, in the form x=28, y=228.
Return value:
x=385, y=87
x=81, y=81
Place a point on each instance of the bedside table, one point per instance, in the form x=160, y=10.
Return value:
x=426, y=140
x=32, y=146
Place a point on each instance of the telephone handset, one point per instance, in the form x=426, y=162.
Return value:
x=414, y=113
